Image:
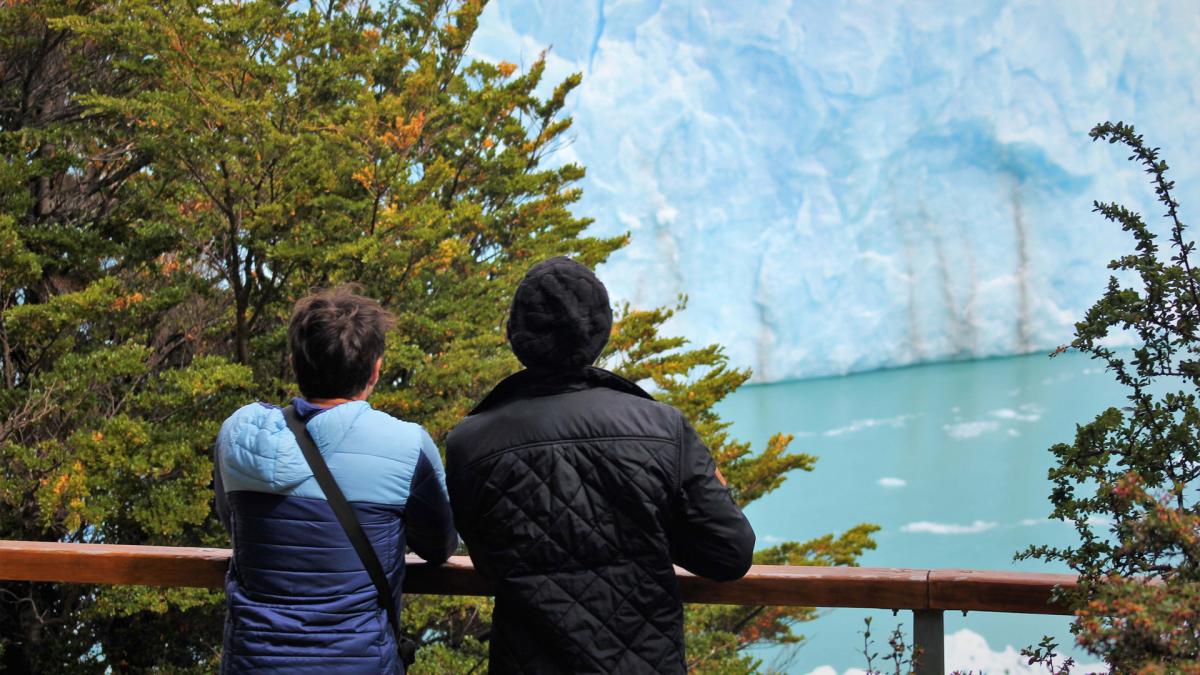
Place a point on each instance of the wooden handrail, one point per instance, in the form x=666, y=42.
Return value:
x=927, y=592
x=867, y=587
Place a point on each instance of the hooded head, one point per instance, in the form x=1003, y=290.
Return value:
x=560, y=317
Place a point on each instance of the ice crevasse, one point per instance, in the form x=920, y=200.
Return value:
x=846, y=186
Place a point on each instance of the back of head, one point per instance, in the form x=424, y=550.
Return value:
x=560, y=317
x=335, y=337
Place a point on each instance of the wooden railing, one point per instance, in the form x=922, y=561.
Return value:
x=926, y=592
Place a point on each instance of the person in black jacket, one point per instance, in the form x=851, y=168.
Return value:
x=575, y=491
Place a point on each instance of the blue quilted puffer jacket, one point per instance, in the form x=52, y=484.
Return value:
x=298, y=597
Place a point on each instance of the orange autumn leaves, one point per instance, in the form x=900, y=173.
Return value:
x=403, y=135
x=62, y=495
x=399, y=136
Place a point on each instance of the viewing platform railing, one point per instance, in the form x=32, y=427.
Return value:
x=926, y=592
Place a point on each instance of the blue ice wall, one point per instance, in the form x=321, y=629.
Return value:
x=842, y=186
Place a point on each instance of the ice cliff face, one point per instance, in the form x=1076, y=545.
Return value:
x=854, y=185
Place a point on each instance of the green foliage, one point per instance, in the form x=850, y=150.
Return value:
x=1128, y=482
x=176, y=175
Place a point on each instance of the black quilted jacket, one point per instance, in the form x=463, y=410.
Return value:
x=575, y=493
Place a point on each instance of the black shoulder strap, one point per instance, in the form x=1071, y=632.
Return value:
x=345, y=515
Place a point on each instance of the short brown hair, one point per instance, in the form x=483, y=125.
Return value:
x=335, y=337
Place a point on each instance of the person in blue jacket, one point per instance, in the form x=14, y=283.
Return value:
x=298, y=599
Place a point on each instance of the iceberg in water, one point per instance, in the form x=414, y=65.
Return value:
x=846, y=186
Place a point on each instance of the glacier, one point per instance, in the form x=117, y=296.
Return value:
x=840, y=187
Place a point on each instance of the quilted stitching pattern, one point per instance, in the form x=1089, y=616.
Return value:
x=298, y=597
x=574, y=532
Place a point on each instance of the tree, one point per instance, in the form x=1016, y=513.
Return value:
x=1128, y=482
x=104, y=407
x=262, y=149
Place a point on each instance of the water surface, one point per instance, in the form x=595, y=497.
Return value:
x=949, y=459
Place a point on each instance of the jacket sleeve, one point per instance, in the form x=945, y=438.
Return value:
x=463, y=496
x=427, y=518
x=710, y=536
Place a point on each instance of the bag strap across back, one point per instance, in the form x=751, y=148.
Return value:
x=345, y=515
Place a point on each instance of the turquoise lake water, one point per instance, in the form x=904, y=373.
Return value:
x=949, y=459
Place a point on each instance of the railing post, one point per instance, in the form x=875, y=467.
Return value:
x=929, y=642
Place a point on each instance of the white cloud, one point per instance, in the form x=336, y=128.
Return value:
x=830, y=670
x=928, y=527
x=889, y=482
x=968, y=651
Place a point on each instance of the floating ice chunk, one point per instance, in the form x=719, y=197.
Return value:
x=889, y=482
x=1024, y=413
x=868, y=423
x=964, y=430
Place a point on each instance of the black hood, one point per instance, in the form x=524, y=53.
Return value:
x=560, y=316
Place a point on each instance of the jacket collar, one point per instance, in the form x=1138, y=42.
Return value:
x=532, y=383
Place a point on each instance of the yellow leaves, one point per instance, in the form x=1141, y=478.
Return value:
x=97, y=436
x=403, y=135
x=488, y=144
x=126, y=301
x=399, y=136
x=506, y=69
x=365, y=177
x=194, y=206
x=168, y=264
x=61, y=484
x=371, y=34
x=62, y=496
x=176, y=43
x=447, y=251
